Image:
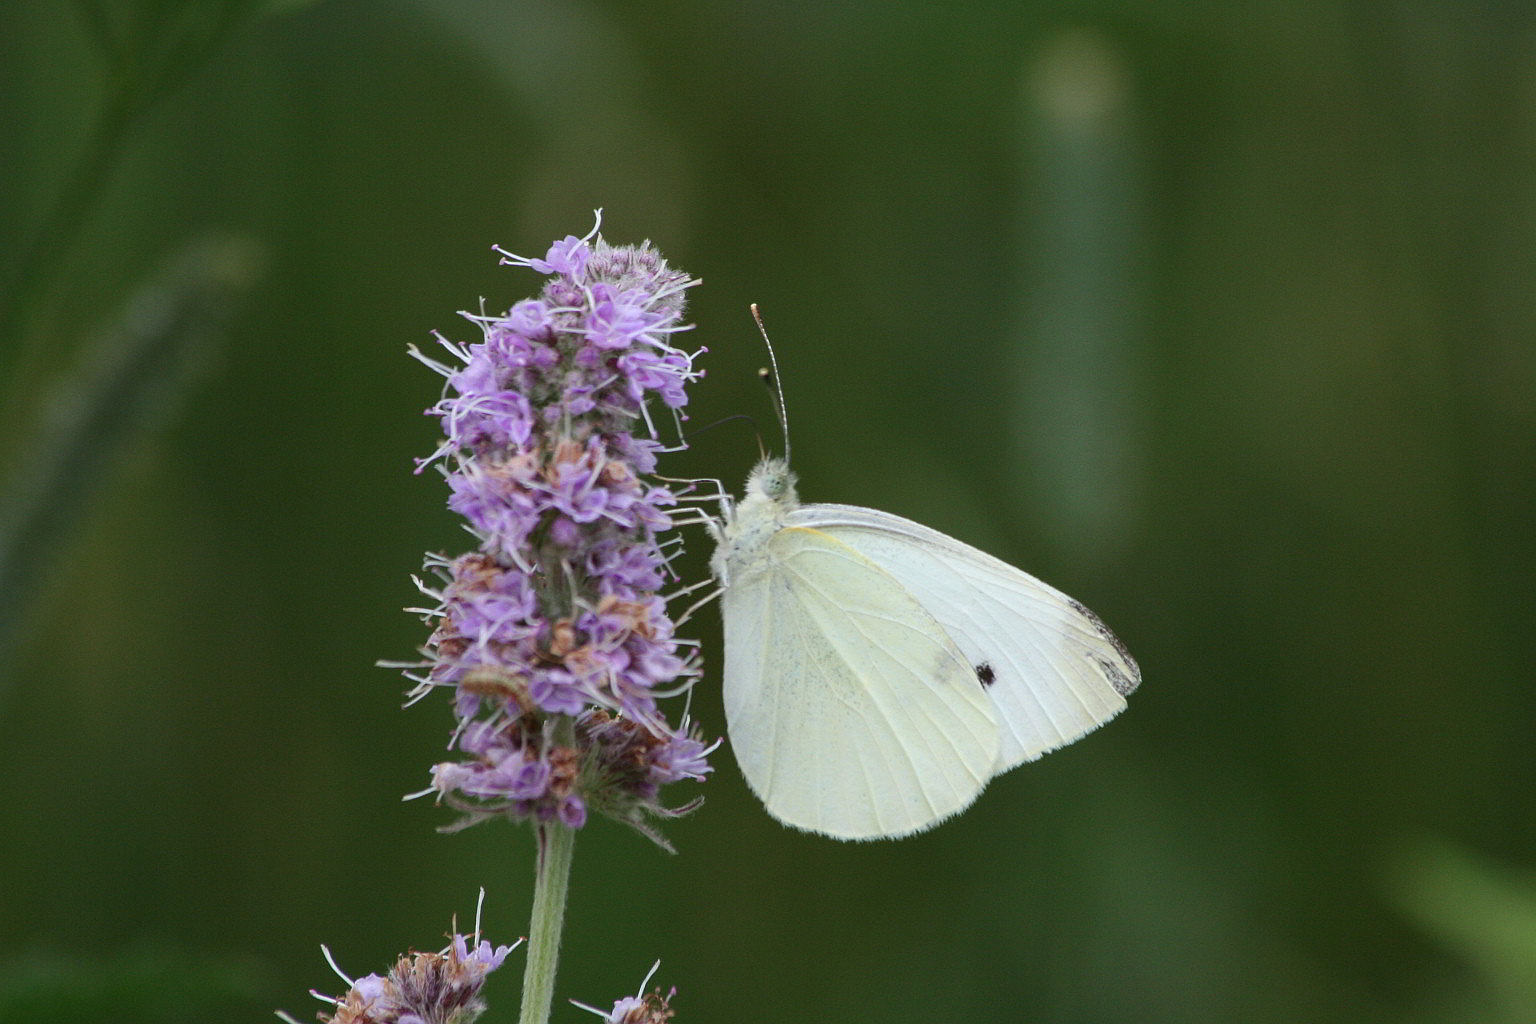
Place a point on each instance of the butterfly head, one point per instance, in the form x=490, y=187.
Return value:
x=750, y=525
x=772, y=480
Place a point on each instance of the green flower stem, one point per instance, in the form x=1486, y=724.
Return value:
x=556, y=842
x=552, y=883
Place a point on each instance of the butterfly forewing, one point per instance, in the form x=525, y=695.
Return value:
x=1052, y=670
x=850, y=710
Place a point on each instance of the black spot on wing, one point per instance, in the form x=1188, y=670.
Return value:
x=985, y=675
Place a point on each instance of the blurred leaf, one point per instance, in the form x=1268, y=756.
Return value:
x=128, y=384
x=1483, y=912
x=148, y=49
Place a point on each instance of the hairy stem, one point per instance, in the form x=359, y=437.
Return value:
x=556, y=841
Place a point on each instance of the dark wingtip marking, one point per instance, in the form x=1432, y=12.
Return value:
x=1124, y=678
x=985, y=675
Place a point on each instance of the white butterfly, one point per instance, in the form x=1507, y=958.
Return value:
x=879, y=673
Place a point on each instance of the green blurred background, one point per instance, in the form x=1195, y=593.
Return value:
x=1217, y=316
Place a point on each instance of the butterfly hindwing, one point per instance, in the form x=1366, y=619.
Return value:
x=850, y=709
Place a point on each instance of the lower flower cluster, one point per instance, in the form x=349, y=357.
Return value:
x=422, y=988
x=641, y=1008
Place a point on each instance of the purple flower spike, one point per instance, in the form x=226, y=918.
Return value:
x=556, y=616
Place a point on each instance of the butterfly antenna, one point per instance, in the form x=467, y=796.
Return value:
x=778, y=386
